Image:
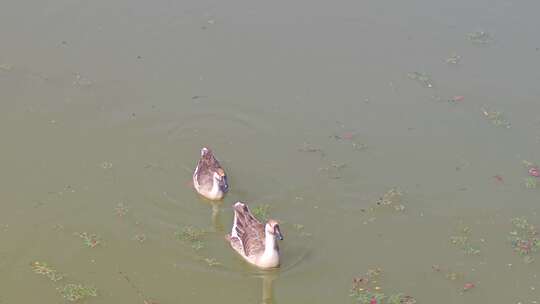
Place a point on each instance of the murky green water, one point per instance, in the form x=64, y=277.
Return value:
x=308, y=106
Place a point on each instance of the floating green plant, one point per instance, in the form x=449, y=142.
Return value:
x=261, y=212
x=121, y=209
x=531, y=182
x=301, y=230
x=392, y=198
x=422, y=78
x=454, y=59
x=212, y=262
x=456, y=277
x=358, y=146
x=58, y=227
x=496, y=118
x=106, y=165
x=366, y=290
x=90, y=240
x=141, y=237
x=464, y=242
x=311, y=149
x=480, y=37
x=333, y=170
x=46, y=270
x=5, y=67
x=350, y=137
x=298, y=227
x=524, y=238
x=77, y=292
x=528, y=164
x=191, y=235
x=197, y=245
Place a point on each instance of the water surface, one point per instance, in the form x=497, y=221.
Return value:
x=109, y=102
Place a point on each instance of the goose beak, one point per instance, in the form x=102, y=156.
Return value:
x=278, y=233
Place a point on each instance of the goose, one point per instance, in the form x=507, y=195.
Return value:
x=209, y=178
x=255, y=242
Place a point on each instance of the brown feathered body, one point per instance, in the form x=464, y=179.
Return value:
x=254, y=241
x=209, y=178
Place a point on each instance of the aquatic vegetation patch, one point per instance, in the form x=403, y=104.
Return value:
x=453, y=59
x=533, y=172
x=212, y=262
x=58, y=227
x=261, y=212
x=350, y=137
x=106, y=165
x=81, y=81
x=46, y=270
x=480, y=37
x=496, y=118
x=366, y=290
x=121, y=209
x=195, y=238
x=77, y=292
x=463, y=240
x=333, y=171
x=392, y=198
x=530, y=182
x=456, y=98
x=141, y=237
x=192, y=235
x=422, y=78
x=90, y=240
x=307, y=148
x=5, y=67
x=301, y=229
x=71, y=291
x=457, y=277
x=524, y=238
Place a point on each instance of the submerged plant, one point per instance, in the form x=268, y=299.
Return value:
x=456, y=277
x=365, y=290
x=422, y=78
x=261, y=212
x=533, y=172
x=212, y=262
x=531, y=182
x=301, y=230
x=121, y=209
x=463, y=240
x=524, y=238
x=392, y=198
x=77, y=292
x=192, y=235
x=141, y=237
x=454, y=59
x=311, y=149
x=106, y=165
x=333, y=170
x=350, y=137
x=197, y=245
x=480, y=37
x=496, y=118
x=90, y=240
x=46, y=270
